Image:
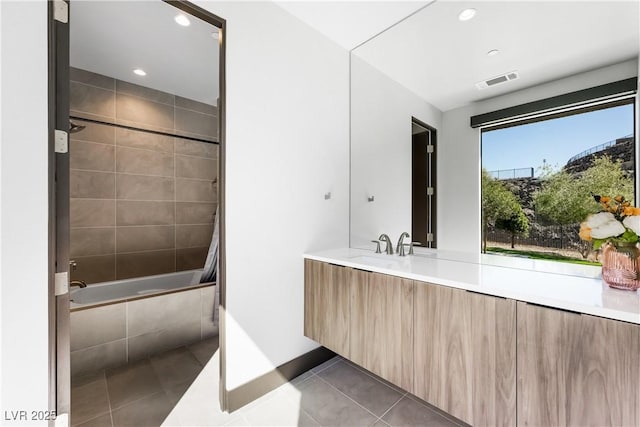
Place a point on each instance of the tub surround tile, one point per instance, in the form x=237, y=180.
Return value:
x=138, y=187
x=92, y=100
x=142, y=346
x=99, y=325
x=196, y=167
x=191, y=122
x=91, y=156
x=144, y=92
x=194, y=148
x=144, y=140
x=150, y=314
x=193, y=190
x=145, y=238
x=193, y=236
x=129, y=383
x=137, y=111
x=103, y=356
x=94, y=132
x=191, y=258
x=145, y=213
x=95, y=269
x=92, y=241
x=144, y=162
x=89, y=400
x=204, y=350
x=92, y=212
x=195, y=213
x=140, y=264
x=92, y=185
x=200, y=107
x=87, y=77
x=208, y=324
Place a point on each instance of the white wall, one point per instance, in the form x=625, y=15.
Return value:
x=381, y=112
x=459, y=159
x=24, y=218
x=287, y=145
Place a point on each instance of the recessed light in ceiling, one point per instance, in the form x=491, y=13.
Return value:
x=493, y=52
x=182, y=20
x=140, y=72
x=467, y=14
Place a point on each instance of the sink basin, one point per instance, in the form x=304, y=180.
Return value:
x=377, y=261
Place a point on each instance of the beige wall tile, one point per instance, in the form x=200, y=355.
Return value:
x=191, y=190
x=164, y=311
x=138, y=110
x=98, y=325
x=144, y=162
x=195, y=213
x=137, y=187
x=144, y=92
x=191, y=258
x=94, y=132
x=142, y=264
x=145, y=238
x=92, y=185
x=92, y=100
x=146, y=140
x=193, y=122
x=193, y=236
x=92, y=241
x=95, y=269
x=200, y=107
x=145, y=213
x=196, y=167
x=196, y=148
x=151, y=343
x=92, y=212
x=99, y=357
x=91, y=156
x=93, y=79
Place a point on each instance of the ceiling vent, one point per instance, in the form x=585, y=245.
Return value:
x=494, y=81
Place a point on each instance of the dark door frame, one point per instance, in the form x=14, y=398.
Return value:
x=58, y=76
x=431, y=181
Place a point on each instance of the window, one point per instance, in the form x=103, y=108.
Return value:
x=538, y=174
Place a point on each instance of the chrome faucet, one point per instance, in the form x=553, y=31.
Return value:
x=80, y=283
x=389, y=248
x=400, y=247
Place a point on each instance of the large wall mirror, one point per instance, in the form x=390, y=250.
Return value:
x=440, y=69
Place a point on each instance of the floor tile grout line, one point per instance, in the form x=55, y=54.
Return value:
x=106, y=386
x=391, y=407
x=345, y=395
x=375, y=377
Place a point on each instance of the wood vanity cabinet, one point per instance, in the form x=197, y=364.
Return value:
x=381, y=327
x=465, y=354
x=326, y=305
x=576, y=370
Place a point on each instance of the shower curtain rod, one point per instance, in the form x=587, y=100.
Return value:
x=157, y=132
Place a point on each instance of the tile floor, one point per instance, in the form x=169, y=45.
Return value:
x=180, y=388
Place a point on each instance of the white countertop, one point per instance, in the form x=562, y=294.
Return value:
x=564, y=290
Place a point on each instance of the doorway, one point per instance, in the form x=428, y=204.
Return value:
x=137, y=181
x=423, y=185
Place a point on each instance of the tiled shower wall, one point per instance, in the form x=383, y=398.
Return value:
x=141, y=203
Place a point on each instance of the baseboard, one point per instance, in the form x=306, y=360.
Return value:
x=246, y=393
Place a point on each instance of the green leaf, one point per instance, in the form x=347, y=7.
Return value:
x=597, y=243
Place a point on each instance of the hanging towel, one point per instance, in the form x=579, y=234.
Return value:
x=211, y=263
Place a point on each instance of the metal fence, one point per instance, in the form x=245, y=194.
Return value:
x=512, y=173
x=597, y=148
x=553, y=237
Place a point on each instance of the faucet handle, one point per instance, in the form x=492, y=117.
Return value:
x=377, y=242
x=73, y=264
x=411, y=245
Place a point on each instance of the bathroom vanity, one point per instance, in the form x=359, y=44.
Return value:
x=490, y=345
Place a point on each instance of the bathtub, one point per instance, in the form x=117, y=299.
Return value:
x=118, y=322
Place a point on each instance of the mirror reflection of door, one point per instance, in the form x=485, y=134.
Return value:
x=423, y=185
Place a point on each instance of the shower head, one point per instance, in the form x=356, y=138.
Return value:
x=74, y=127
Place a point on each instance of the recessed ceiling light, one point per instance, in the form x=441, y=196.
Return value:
x=140, y=72
x=493, y=52
x=182, y=20
x=467, y=14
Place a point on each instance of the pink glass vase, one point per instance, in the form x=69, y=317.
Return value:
x=621, y=265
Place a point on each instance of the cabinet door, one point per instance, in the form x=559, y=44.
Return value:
x=494, y=360
x=326, y=305
x=381, y=328
x=576, y=370
x=443, y=349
